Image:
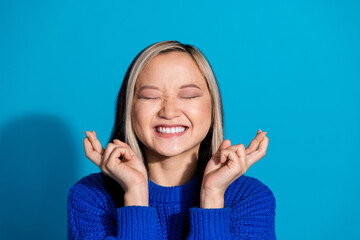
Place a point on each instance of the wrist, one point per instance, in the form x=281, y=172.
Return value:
x=136, y=197
x=211, y=200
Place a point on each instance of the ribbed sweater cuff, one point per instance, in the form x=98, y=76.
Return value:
x=137, y=222
x=209, y=223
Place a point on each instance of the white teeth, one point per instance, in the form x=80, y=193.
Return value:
x=164, y=130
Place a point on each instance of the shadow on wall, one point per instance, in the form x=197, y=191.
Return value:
x=38, y=160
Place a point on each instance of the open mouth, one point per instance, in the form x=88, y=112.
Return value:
x=165, y=131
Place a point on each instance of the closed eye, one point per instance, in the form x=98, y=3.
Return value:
x=146, y=98
x=154, y=97
x=190, y=97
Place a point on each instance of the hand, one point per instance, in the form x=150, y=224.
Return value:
x=130, y=171
x=230, y=162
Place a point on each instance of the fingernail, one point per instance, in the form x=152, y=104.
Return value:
x=87, y=134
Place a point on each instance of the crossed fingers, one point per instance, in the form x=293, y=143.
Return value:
x=257, y=148
x=93, y=149
x=102, y=157
x=241, y=159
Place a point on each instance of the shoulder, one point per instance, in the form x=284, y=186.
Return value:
x=247, y=188
x=252, y=205
x=91, y=182
x=89, y=189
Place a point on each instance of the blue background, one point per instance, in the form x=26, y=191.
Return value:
x=290, y=68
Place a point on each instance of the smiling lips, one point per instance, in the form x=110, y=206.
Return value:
x=170, y=131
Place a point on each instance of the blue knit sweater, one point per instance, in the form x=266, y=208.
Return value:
x=248, y=213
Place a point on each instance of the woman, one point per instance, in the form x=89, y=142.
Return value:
x=166, y=172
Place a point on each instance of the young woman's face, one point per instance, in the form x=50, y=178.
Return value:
x=171, y=112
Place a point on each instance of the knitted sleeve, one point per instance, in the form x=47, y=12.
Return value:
x=89, y=217
x=249, y=213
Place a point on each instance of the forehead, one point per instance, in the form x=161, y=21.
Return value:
x=171, y=69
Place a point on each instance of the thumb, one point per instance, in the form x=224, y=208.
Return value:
x=128, y=154
x=117, y=141
x=225, y=144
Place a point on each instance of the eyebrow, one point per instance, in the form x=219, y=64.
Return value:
x=181, y=87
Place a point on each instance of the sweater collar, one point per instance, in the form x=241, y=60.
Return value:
x=180, y=193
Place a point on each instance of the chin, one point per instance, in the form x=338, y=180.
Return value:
x=171, y=151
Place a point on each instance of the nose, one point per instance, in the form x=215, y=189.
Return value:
x=169, y=109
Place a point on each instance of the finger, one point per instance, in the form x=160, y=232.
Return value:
x=95, y=142
x=239, y=149
x=114, y=158
x=124, y=154
x=118, y=142
x=241, y=152
x=229, y=154
x=109, y=148
x=236, y=147
x=258, y=154
x=225, y=144
x=108, y=162
x=90, y=153
x=255, y=142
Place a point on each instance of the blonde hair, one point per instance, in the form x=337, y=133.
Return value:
x=139, y=63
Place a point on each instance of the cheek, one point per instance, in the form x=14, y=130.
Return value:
x=141, y=117
x=201, y=113
x=138, y=118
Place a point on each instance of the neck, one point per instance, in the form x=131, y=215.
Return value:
x=172, y=171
